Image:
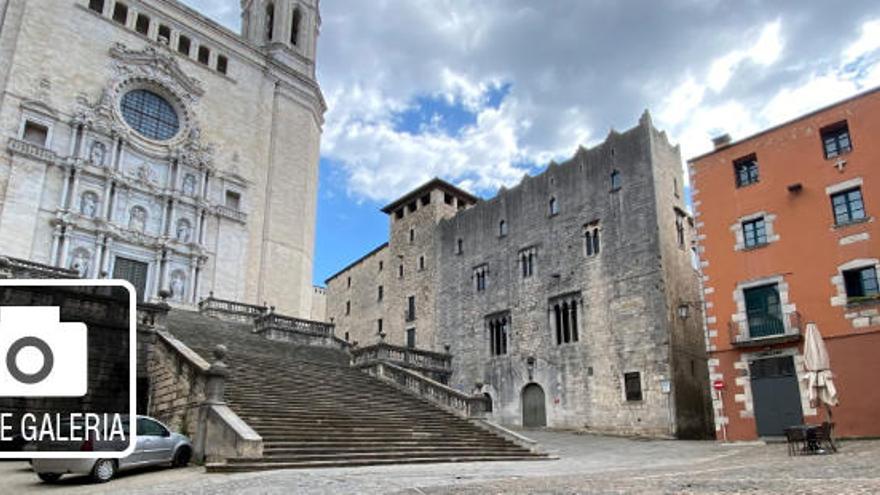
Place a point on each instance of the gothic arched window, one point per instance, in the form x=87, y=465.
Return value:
x=554, y=206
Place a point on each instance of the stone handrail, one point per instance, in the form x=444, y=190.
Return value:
x=276, y=321
x=232, y=213
x=230, y=310
x=435, y=365
x=19, y=268
x=459, y=403
x=189, y=398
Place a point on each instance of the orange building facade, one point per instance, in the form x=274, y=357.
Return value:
x=788, y=234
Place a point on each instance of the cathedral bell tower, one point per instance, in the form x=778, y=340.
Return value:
x=282, y=25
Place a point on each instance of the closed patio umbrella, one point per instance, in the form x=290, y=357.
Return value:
x=818, y=367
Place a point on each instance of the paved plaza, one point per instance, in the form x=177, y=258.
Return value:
x=587, y=464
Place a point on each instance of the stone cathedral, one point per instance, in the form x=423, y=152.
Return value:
x=146, y=142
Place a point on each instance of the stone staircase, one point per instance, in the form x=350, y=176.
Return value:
x=313, y=410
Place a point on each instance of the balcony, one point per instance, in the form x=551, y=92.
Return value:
x=766, y=331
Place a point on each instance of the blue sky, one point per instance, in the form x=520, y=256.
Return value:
x=480, y=92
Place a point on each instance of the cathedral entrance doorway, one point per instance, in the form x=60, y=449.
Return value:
x=133, y=271
x=533, y=406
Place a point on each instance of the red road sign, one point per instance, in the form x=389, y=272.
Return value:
x=718, y=384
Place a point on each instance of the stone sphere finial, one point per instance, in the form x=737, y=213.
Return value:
x=164, y=294
x=447, y=347
x=382, y=336
x=220, y=352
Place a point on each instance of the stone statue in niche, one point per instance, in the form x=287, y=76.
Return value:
x=189, y=185
x=178, y=285
x=184, y=230
x=97, y=153
x=137, y=219
x=88, y=204
x=79, y=261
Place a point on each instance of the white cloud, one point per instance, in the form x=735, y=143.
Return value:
x=575, y=68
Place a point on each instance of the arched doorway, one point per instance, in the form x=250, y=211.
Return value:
x=533, y=406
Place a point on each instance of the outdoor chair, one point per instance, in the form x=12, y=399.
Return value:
x=797, y=440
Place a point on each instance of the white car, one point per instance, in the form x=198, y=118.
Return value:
x=155, y=445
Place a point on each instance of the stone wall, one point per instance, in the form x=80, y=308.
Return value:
x=177, y=384
x=353, y=303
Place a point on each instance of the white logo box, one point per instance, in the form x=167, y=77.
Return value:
x=132, y=372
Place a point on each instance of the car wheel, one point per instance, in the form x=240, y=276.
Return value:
x=181, y=457
x=104, y=470
x=49, y=477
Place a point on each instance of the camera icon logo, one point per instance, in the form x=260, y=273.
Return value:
x=40, y=356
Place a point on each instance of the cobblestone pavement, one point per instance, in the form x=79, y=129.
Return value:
x=588, y=464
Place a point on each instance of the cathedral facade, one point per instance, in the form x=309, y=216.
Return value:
x=147, y=142
x=570, y=300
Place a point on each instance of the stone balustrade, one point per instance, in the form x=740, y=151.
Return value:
x=435, y=365
x=235, y=311
x=459, y=403
x=32, y=150
x=19, y=268
x=274, y=326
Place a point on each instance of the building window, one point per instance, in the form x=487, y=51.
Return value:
x=184, y=44
x=675, y=187
x=553, y=207
x=120, y=13
x=591, y=240
x=836, y=140
x=294, y=26
x=399, y=213
x=97, y=6
x=679, y=228
x=502, y=228
x=498, y=335
x=421, y=263
x=412, y=235
x=746, y=170
x=381, y=293
x=410, y=308
x=480, y=277
x=233, y=200
x=848, y=206
x=204, y=55
x=411, y=338
x=861, y=283
x=459, y=246
x=448, y=199
x=616, y=181
x=379, y=326
x=149, y=114
x=142, y=24
x=222, y=64
x=754, y=233
x=400, y=271
x=527, y=262
x=412, y=207
x=270, y=21
x=346, y=336
x=164, y=34
x=764, y=311
x=487, y=402
x=35, y=133
x=381, y=265
x=348, y=307
x=426, y=200
x=565, y=321
x=632, y=383
x=349, y=282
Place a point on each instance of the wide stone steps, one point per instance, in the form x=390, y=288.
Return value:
x=313, y=410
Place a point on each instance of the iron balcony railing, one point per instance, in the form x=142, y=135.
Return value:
x=760, y=330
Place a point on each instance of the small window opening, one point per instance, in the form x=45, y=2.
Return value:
x=633, y=385
x=233, y=200
x=97, y=6
x=222, y=64
x=164, y=34
x=35, y=133
x=120, y=13
x=142, y=24
x=184, y=45
x=204, y=55
x=294, y=27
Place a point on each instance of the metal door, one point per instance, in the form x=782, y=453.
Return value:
x=133, y=271
x=776, y=396
x=533, y=404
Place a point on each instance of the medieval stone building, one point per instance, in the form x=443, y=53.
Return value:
x=146, y=142
x=570, y=301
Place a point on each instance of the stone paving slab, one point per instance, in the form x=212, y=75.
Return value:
x=588, y=464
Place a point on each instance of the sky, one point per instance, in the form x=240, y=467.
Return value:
x=482, y=92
